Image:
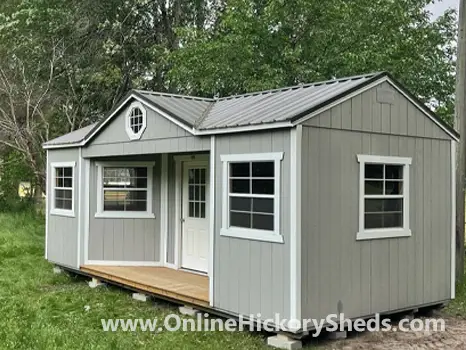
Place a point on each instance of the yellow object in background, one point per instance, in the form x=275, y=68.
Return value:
x=24, y=189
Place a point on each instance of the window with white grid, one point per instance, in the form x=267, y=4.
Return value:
x=136, y=120
x=62, y=197
x=124, y=190
x=252, y=196
x=384, y=197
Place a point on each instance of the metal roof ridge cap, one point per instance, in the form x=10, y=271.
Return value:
x=317, y=83
x=167, y=94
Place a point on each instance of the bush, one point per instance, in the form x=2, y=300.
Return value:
x=13, y=170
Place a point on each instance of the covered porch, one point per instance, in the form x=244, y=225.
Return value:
x=175, y=285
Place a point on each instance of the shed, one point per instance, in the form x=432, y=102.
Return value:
x=331, y=197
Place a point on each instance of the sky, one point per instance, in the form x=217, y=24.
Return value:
x=440, y=6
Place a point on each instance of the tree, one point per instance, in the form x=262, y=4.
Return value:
x=255, y=45
x=64, y=64
x=460, y=125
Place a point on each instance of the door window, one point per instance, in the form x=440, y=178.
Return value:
x=197, y=193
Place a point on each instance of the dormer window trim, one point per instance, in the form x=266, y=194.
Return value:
x=136, y=120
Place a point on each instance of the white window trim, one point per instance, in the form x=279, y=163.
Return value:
x=58, y=211
x=404, y=231
x=129, y=131
x=148, y=214
x=245, y=233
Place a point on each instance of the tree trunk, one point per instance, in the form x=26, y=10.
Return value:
x=460, y=115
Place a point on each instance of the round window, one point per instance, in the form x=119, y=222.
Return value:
x=136, y=120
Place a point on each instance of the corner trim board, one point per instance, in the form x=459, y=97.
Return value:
x=78, y=257
x=453, y=220
x=164, y=209
x=295, y=222
x=87, y=209
x=212, y=164
x=47, y=203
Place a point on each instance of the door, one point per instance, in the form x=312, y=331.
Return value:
x=195, y=233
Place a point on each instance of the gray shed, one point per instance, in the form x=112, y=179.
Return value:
x=332, y=197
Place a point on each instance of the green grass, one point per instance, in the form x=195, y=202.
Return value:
x=41, y=310
x=457, y=307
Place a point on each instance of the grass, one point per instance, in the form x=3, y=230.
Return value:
x=41, y=310
x=457, y=307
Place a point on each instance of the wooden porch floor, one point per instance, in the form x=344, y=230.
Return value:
x=173, y=284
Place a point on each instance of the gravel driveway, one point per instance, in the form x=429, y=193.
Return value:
x=454, y=337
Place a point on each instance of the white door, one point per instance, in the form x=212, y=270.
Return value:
x=195, y=234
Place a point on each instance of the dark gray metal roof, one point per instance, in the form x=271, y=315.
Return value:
x=189, y=109
x=73, y=137
x=266, y=107
x=276, y=105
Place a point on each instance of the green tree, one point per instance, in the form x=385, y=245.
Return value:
x=256, y=44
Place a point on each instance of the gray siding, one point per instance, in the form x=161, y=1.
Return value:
x=171, y=226
x=160, y=136
x=62, y=239
x=373, y=275
x=365, y=113
x=252, y=277
x=125, y=239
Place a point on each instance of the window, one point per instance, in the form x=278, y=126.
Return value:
x=124, y=190
x=197, y=193
x=384, y=197
x=62, y=189
x=251, y=196
x=136, y=121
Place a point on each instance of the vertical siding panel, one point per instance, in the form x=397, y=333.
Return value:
x=138, y=240
x=336, y=117
x=233, y=301
x=367, y=110
x=420, y=123
x=429, y=129
x=411, y=116
x=356, y=278
x=395, y=127
x=419, y=231
x=128, y=239
x=118, y=237
x=346, y=210
x=356, y=113
x=402, y=106
x=325, y=283
x=223, y=292
x=385, y=118
x=281, y=260
x=380, y=249
x=108, y=239
x=335, y=231
x=313, y=293
x=325, y=119
x=365, y=246
x=346, y=108
x=403, y=252
x=427, y=204
x=376, y=112
x=266, y=260
x=150, y=245
x=394, y=245
x=411, y=242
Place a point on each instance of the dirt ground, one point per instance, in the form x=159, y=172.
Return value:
x=454, y=337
